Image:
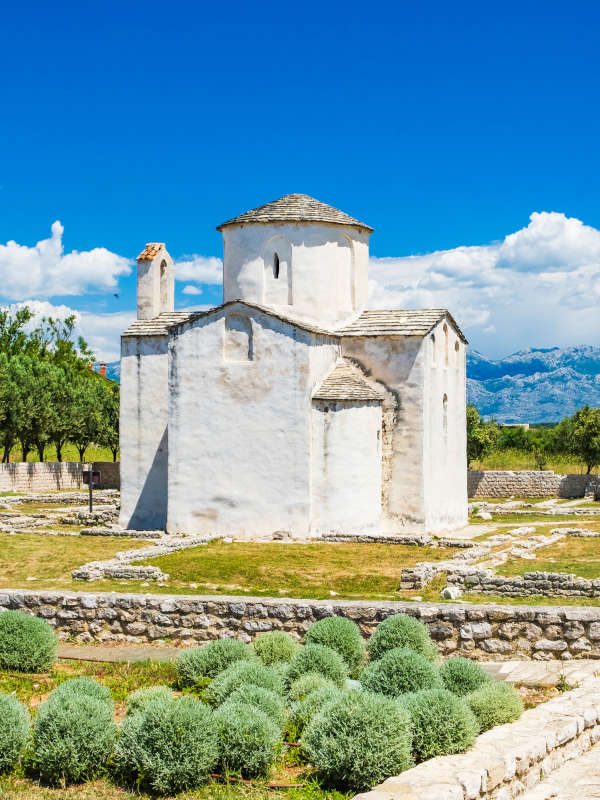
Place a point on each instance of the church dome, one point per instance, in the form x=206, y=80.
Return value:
x=295, y=208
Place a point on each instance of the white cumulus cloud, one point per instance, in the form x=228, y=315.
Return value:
x=46, y=270
x=190, y=289
x=200, y=269
x=539, y=286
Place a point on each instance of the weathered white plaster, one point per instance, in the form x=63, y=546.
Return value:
x=143, y=438
x=323, y=276
x=346, y=466
x=246, y=471
x=219, y=430
x=155, y=285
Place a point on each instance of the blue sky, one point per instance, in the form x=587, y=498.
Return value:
x=444, y=126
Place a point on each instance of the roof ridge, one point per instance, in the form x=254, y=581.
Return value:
x=346, y=381
x=295, y=208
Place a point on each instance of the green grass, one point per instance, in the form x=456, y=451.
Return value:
x=353, y=571
x=579, y=557
x=518, y=459
x=50, y=559
x=69, y=453
x=531, y=519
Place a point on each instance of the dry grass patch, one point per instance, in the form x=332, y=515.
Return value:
x=579, y=557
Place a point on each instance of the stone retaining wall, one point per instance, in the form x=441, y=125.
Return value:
x=47, y=476
x=530, y=483
x=486, y=632
x=508, y=760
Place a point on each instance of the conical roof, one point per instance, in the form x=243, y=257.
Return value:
x=295, y=208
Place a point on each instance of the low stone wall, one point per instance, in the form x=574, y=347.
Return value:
x=47, y=476
x=486, y=632
x=548, y=584
x=530, y=483
x=508, y=760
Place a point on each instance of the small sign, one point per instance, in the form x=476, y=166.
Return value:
x=91, y=475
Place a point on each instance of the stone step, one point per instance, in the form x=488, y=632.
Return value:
x=578, y=779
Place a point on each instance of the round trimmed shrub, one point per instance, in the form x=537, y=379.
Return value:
x=401, y=630
x=170, y=745
x=269, y=702
x=83, y=687
x=308, y=683
x=198, y=663
x=495, y=703
x=304, y=710
x=321, y=659
x=14, y=729
x=359, y=740
x=400, y=671
x=461, y=675
x=442, y=723
x=249, y=740
x=275, y=647
x=27, y=644
x=139, y=700
x=343, y=636
x=241, y=674
x=73, y=737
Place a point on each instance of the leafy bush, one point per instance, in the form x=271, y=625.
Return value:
x=83, y=687
x=269, y=702
x=321, y=659
x=240, y=674
x=14, y=729
x=307, y=683
x=27, y=644
x=401, y=631
x=495, y=703
x=304, y=710
x=139, y=700
x=343, y=636
x=249, y=740
x=442, y=723
x=169, y=746
x=73, y=737
x=400, y=671
x=198, y=663
x=461, y=675
x=358, y=740
x=275, y=647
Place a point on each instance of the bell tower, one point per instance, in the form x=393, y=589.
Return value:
x=155, y=281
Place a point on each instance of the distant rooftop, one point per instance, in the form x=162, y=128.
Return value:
x=295, y=208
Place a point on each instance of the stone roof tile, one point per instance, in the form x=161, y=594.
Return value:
x=397, y=322
x=346, y=381
x=158, y=326
x=295, y=208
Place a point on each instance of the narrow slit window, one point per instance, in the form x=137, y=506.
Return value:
x=276, y=265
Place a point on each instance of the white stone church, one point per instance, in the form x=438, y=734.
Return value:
x=290, y=409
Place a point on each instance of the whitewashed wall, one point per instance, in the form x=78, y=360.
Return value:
x=144, y=421
x=346, y=467
x=397, y=363
x=445, y=460
x=239, y=431
x=323, y=269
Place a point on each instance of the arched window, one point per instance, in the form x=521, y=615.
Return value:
x=445, y=345
x=276, y=265
x=238, y=345
x=457, y=353
x=433, y=353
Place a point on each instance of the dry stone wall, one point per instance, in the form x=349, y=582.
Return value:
x=48, y=476
x=530, y=483
x=486, y=632
x=508, y=760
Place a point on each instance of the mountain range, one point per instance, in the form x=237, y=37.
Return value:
x=534, y=385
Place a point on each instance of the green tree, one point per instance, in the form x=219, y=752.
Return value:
x=585, y=436
x=481, y=436
x=109, y=433
x=87, y=411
